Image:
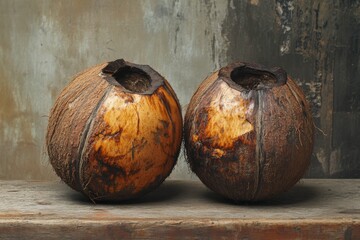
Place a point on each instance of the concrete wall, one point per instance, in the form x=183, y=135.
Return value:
x=44, y=42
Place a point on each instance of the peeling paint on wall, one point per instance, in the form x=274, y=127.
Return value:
x=254, y=2
x=284, y=10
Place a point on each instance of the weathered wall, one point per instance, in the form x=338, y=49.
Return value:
x=317, y=42
x=43, y=43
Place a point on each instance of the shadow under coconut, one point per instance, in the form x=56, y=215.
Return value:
x=300, y=193
x=167, y=191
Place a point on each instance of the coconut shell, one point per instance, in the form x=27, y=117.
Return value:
x=115, y=131
x=248, y=132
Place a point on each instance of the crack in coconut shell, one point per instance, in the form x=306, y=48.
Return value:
x=88, y=126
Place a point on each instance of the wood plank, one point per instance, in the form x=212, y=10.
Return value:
x=181, y=229
x=320, y=209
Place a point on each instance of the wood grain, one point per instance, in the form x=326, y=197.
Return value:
x=313, y=209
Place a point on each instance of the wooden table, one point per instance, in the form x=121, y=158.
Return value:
x=313, y=209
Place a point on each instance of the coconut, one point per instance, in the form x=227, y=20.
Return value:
x=248, y=132
x=115, y=131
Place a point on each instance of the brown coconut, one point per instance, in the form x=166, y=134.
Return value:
x=115, y=131
x=248, y=132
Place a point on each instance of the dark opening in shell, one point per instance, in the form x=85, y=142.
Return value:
x=133, y=79
x=250, y=78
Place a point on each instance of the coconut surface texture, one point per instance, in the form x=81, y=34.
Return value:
x=115, y=131
x=248, y=132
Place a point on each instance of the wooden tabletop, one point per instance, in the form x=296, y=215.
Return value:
x=313, y=209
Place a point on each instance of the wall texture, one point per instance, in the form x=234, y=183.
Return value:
x=43, y=43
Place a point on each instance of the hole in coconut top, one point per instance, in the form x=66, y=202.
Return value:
x=250, y=79
x=133, y=79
